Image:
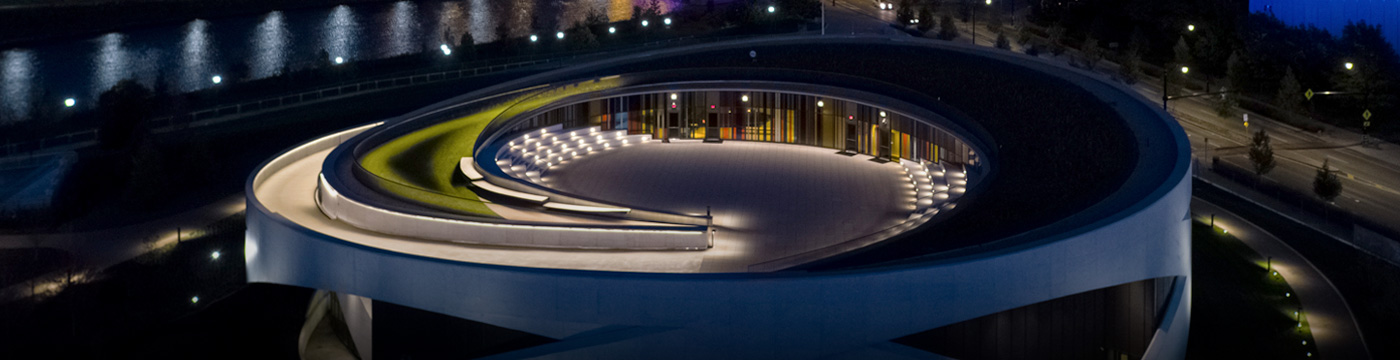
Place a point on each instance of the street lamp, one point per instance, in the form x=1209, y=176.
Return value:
x=771, y=9
x=612, y=30
x=1165, y=76
x=645, y=23
x=215, y=255
x=217, y=79
x=1190, y=27
x=445, y=50
x=559, y=35
x=1349, y=65
x=339, y=60
x=69, y=102
x=666, y=21
x=534, y=38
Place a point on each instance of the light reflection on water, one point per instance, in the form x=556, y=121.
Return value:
x=18, y=65
x=270, y=41
x=340, y=33
x=197, y=55
x=185, y=56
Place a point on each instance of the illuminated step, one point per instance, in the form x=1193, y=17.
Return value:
x=585, y=208
x=469, y=170
x=482, y=184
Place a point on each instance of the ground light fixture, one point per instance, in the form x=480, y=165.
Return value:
x=217, y=79
x=645, y=23
x=534, y=38
x=666, y=21
x=445, y=50
x=612, y=30
x=194, y=300
x=559, y=35
x=69, y=102
x=214, y=255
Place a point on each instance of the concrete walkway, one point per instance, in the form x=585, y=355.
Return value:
x=1333, y=324
x=769, y=200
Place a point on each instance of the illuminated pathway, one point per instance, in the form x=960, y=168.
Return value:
x=1331, y=320
x=769, y=200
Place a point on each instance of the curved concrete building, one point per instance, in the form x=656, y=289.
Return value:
x=780, y=198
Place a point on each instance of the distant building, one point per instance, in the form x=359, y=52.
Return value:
x=1333, y=15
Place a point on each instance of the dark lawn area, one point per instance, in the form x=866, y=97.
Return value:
x=142, y=309
x=1370, y=286
x=18, y=265
x=1237, y=309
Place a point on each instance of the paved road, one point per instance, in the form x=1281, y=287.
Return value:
x=1333, y=324
x=1370, y=175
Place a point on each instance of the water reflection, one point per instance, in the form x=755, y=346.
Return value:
x=16, y=83
x=340, y=34
x=111, y=63
x=403, y=29
x=264, y=45
x=196, y=57
x=482, y=22
x=270, y=40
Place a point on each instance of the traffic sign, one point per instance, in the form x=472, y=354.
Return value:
x=1366, y=115
x=1308, y=94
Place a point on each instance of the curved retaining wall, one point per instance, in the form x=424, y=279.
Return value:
x=783, y=314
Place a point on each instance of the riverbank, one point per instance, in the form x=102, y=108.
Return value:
x=33, y=21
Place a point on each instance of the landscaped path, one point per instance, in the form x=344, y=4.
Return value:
x=1333, y=324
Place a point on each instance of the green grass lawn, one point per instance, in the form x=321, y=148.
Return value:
x=1239, y=308
x=422, y=165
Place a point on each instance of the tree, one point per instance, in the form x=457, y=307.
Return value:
x=1056, y=36
x=580, y=37
x=994, y=21
x=652, y=10
x=1176, y=81
x=925, y=19
x=1091, y=53
x=947, y=30
x=1023, y=36
x=123, y=109
x=905, y=13
x=1261, y=153
x=1002, y=42
x=1228, y=100
x=1290, y=92
x=466, y=45
x=1326, y=184
x=1129, y=67
x=965, y=10
x=1237, y=71
x=1225, y=103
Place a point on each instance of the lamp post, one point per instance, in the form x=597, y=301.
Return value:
x=1167, y=74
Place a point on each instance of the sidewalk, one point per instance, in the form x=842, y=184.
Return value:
x=1330, y=318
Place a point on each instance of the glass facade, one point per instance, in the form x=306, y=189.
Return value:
x=764, y=116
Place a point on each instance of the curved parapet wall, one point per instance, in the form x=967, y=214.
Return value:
x=1067, y=208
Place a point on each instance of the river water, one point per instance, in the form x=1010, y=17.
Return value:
x=186, y=57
